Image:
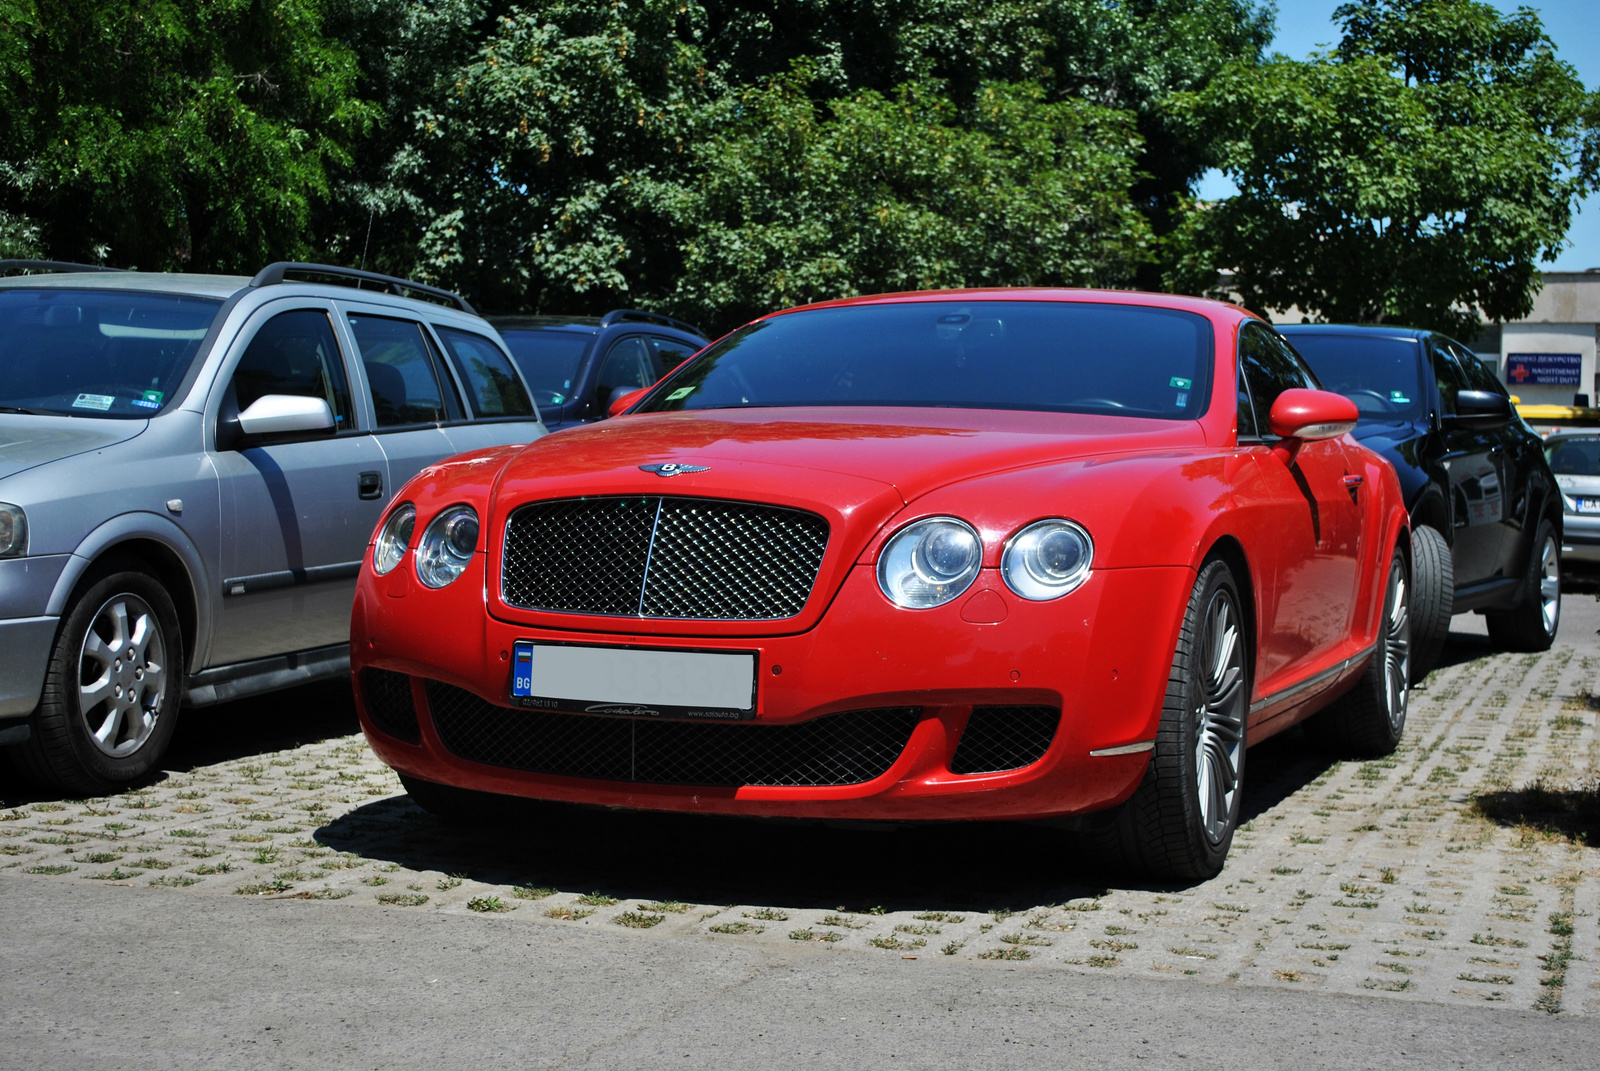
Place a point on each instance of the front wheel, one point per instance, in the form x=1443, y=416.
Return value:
x=1532, y=624
x=111, y=692
x=1368, y=721
x=1179, y=823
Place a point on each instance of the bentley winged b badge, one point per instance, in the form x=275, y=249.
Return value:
x=673, y=468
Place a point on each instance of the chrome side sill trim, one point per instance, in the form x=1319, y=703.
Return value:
x=1313, y=681
x=1125, y=749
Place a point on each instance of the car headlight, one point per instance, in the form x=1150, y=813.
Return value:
x=447, y=546
x=13, y=531
x=1047, y=559
x=393, y=539
x=930, y=562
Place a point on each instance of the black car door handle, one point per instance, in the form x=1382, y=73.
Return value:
x=370, y=484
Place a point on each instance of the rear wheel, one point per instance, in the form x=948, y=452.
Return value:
x=1369, y=720
x=1532, y=625
x=1179, y=823
x=111, y=692
x=1433, y=590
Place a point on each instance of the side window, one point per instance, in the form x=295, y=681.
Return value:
x=1450, y=376
x=1270, y=368
x=295, y=353
x=628, y=364
x=670, y=353
x=1247, y=413
x=496, y=391
x=400, y=371
x=1477, y=374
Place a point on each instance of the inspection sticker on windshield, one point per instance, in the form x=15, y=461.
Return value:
x=681, y=392
x=101, y=402
x=1181, y=383
x=1399, y=396
x=151, y=400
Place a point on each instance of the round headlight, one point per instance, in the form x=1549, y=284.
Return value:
x=393, y=539
x=1047, y=559
x=447, y=546
x=930, y=562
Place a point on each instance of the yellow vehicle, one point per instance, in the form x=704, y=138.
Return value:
x=1549, y=419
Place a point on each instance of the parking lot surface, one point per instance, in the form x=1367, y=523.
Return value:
x=1463, y=870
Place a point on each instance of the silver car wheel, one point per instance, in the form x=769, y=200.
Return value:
x=1550, y=585
x=1397, y=646
x=1219, y=719
x=122, y=675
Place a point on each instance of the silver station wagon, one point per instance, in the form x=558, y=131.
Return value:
x=190, y=469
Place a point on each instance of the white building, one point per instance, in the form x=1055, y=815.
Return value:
x=1549, y=356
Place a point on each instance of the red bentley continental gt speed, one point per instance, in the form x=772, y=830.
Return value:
x=981, y=554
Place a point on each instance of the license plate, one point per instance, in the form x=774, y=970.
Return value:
x=1588, y=505
x=632, y=681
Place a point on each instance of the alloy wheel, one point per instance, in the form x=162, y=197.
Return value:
x=122, y=675
x=1549, y=585
x=1397, y=645
x=1219, y=717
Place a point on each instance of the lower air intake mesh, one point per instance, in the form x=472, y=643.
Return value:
x=1004, y=738
x=389, y=704
x=839, y=749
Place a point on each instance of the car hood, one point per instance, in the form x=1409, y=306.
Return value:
x=29, y=441
x=1384, y=434
x=1578, y=485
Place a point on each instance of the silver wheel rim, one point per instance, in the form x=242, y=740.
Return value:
x=1219, y=717
x=122, y=675
x=1397, y=645
x=1550, y=586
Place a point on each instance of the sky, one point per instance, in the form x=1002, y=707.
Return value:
x=1574, y=26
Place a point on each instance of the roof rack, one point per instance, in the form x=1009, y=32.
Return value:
x=273, y=274
x=9, y=266
x=616, y=316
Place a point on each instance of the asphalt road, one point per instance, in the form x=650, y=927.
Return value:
x=118, y=978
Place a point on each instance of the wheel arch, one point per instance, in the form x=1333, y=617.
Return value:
x=166, y=552
x=1433, y=511
x=1226, y=548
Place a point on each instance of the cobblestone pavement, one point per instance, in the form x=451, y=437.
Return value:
x=1432, y=875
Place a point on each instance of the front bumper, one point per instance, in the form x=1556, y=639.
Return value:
x=26, y=643
x=1580, y=538
x=1100, y=655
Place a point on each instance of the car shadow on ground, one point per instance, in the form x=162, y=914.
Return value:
x=724, y=861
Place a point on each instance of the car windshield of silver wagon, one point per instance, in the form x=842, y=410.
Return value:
x=1075, y=357
x=96, y=353
x=1574, y=457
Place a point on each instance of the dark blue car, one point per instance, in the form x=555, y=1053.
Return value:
x=577, y=365
x=1485, y=510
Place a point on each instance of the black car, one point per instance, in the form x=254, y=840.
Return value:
x=1485, y=509
x=577, y=365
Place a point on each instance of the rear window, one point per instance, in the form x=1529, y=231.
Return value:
x=97, y=353
x=548, y=360
x=1075, y=357
x=1574, y=457
x=495, y=389
x=1381, y=375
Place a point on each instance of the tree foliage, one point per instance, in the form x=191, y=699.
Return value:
x=1416, y=174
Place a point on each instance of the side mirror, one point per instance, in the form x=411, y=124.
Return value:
x=1312, y=414
x=1480, y=409
x=622, y=398
x=285, y=414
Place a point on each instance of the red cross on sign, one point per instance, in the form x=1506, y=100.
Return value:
x=1518, y=372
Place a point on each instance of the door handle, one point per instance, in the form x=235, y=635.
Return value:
x=1352, y=482
x=370, y=485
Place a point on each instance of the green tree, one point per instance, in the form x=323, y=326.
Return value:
x=171, y=135
x=1414, y=175
x=797, y=202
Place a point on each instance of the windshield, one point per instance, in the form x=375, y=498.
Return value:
x=1574, y=457
x=1059, y=356
x=1379, y=374
x=548, y=359
x=97, y=353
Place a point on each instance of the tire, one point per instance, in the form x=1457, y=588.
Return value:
x=97, y=737
x=1533, y=623
x=1368, y=721
x=1179, y=823
x=1433, y=592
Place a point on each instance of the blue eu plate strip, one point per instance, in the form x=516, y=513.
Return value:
x=522, y=668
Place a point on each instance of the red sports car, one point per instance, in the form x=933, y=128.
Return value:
x=982, y=554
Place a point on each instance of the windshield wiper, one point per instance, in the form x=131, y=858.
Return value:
x=30, y=412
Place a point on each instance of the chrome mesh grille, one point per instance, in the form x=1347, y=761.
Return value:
x=662, y=557
x=1004, y=738
x=389, y=704
x=839, y=749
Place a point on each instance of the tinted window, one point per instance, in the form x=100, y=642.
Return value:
x=629, y=363
x=670, y=353
x=1477, y=373
x=1055, y=356
x=1379, y=374
x=294, y=353
x=548, y=360
x=1450, y=376
x=1270, y=368
x=400, y=371
x=1248, y=428
x=494, y=387
x=97, y=353
x=1574, y=457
